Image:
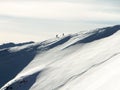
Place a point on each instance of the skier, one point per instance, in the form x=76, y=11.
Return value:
x=63, y=34
x=57, y=36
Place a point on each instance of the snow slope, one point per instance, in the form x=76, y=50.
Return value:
x=81, y=61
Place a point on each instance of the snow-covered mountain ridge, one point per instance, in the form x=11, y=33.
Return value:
x=81, y=61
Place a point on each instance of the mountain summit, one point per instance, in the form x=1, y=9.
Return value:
x=81, y=61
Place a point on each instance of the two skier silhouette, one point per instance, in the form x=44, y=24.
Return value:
x=58, y=36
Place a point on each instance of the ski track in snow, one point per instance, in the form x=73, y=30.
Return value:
x=78, y=75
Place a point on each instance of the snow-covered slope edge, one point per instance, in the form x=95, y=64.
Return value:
x=72, y=62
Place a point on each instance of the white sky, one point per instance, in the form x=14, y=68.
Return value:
x=22, y=20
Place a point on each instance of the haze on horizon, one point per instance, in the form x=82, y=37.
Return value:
x=24, y=20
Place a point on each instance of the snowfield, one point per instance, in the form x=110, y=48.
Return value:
x=81, y=61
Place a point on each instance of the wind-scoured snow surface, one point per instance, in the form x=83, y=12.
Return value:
x=81, y=61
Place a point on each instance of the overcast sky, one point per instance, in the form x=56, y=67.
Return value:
x=23, y=20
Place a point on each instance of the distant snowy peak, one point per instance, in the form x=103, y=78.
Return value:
x=8, y=45
x=99, y=34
